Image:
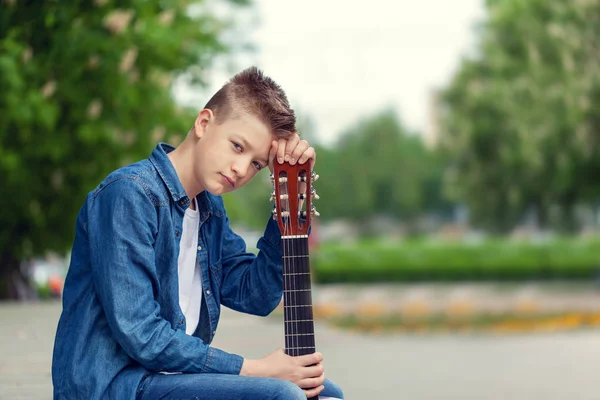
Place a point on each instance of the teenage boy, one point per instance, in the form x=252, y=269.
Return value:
x=154, y=258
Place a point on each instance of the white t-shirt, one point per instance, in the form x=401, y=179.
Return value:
x=190, y=284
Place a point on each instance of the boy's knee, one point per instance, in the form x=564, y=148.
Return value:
x=285, y=390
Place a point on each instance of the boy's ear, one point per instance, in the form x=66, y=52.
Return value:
x=203, y=119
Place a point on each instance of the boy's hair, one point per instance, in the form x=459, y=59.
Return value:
x=253, y=92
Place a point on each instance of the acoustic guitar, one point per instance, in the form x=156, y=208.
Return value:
x=293, y=209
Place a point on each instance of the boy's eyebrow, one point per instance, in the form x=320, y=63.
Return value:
x=248, y=146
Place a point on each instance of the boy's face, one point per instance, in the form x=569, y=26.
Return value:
x=231, y=153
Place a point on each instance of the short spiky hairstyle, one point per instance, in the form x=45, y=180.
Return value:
x=253, y=92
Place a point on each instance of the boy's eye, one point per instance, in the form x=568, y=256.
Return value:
x=237, y=146
x=257, y=165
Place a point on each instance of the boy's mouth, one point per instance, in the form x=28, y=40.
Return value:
x=229, y=180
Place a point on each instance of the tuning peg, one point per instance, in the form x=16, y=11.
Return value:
x=314, y=176
x=314, y=194
x=274, y=212
x=272, y=177
x=314, y=212
x=272, y=198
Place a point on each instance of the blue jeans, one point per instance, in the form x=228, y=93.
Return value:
x=224, y=387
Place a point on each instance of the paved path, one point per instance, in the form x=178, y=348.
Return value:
x=386, y=367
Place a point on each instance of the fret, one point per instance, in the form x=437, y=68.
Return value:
x=297, y=313
x=300, y=327
x=298, y=320
x=297, y=299
x=300, y=334
x=298, y=306
x=296, y=273
x=297, y=295
x=295, y=237
x=297, y=282
x=303, y=347
x=299, y=256
x=300, y=352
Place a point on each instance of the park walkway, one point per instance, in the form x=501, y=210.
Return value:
x=382, y=367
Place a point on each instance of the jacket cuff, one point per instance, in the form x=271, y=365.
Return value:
x=272, y=234
x=219, y=361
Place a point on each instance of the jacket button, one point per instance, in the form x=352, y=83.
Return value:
x=208, y=292
x=177, y=233
x=182, y=321
x=199, y=247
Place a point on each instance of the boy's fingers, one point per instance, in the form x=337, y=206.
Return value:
x=314, y=371
x=310, y=359
x=312, y=382
x=281, y=148
x=308, y=154
x=298, y=151
x=289, y=146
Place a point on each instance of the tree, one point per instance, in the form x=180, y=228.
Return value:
x=521, y=119
x=85, y=88
x=377, y=167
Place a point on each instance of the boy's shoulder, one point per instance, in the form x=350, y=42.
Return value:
x=139, y=176
x=143, y=176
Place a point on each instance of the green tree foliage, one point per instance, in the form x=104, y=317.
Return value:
x=377, y=168
x=85, y=87
x=521, y=119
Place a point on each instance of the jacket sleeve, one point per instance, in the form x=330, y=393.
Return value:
x=122, y=225
x=252, y=283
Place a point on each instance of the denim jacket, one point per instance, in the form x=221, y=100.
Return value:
x=121, y=317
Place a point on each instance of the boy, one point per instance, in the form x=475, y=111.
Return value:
x=154, y=258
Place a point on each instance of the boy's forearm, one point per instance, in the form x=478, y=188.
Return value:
x=254, y=283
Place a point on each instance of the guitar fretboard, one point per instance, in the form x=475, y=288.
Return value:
x=297, y=299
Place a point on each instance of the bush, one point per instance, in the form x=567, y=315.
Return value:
x=428, y=261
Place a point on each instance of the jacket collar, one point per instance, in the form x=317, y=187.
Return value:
x=167, y=173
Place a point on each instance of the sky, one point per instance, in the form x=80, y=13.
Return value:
x=341, y=61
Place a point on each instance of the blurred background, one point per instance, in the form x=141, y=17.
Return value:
x=458, y=151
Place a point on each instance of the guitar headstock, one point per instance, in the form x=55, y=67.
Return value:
x=293, y=194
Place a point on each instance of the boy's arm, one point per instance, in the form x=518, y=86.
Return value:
x=252, y=283
x=121, y=228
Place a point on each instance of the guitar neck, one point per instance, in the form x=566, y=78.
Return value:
x=297, y=299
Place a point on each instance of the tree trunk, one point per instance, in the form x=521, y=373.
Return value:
x=15, y=283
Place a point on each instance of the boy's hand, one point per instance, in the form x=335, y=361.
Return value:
x=305, y=371
x=292, y=150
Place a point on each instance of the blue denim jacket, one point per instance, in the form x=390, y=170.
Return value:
x=121, y=317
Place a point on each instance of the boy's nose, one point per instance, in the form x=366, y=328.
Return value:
x=240, y=170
